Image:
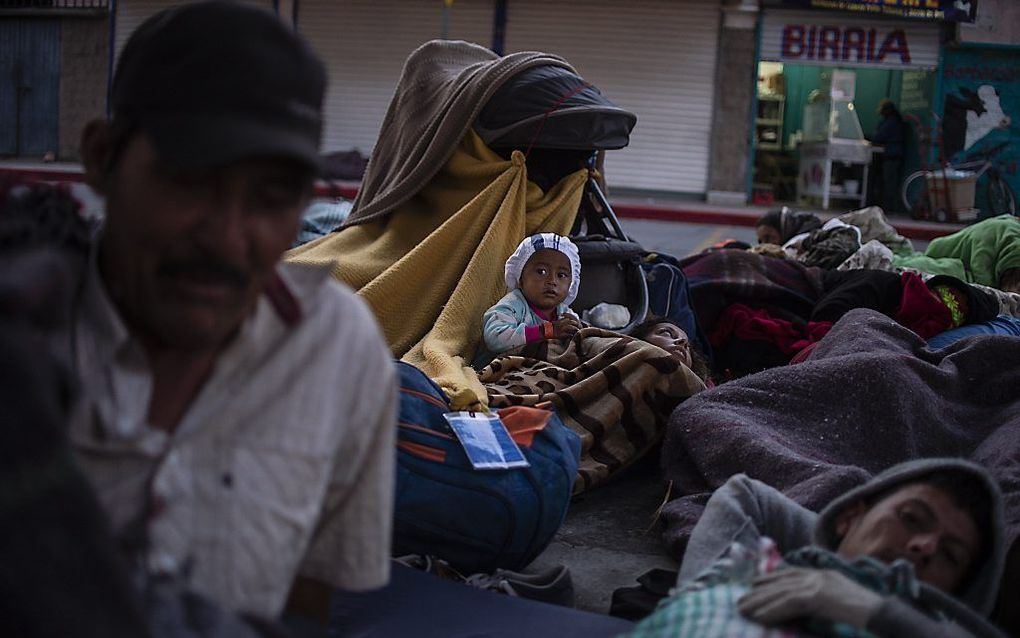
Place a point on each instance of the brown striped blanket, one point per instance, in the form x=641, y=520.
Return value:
x=616, y=392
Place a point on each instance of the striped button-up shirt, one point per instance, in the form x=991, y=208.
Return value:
x=283, y=464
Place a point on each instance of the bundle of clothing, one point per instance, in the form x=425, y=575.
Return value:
x=857, y=239
x=760, y=312
x=986, y=253
x=870, y=395
x=616, y=392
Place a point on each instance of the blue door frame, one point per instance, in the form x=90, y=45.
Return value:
x=29, y=86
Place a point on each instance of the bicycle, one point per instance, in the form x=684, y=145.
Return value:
x=999, y=196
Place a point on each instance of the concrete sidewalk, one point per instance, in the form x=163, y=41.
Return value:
x=626, y=207
x=611, y=536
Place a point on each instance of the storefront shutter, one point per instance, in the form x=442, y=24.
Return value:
x=132, y=13
x=656, y=58
x=365, y=43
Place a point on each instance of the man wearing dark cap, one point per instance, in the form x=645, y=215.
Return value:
x=239, y=413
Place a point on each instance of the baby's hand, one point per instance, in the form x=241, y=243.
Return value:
x=565, y=328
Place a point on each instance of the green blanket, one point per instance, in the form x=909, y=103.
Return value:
x=978, y=254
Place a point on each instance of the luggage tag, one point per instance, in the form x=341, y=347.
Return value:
x=486, y=441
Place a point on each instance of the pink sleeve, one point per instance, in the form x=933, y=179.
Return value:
x=533, y=333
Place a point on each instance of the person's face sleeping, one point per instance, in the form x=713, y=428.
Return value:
x=769, y=235
x=919, y=523
x=671, y=339
x=545, y=279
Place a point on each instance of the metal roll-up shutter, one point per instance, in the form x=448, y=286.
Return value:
x=132, y=13
x=656, y=58
x=364, y=44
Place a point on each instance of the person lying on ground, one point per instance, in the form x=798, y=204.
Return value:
x=239, y=414
x=668, y=335
x=543, y=276
x=926, y=307
x=802, y=236
x=747, y=339
x=780, y=226
x=939, y=518
x=986, y=253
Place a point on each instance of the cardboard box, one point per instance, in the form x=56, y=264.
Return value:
x=959, y=197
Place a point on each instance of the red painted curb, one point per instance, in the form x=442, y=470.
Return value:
x=347, y=190
x=69, y=174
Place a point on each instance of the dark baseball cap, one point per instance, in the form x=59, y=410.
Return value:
x=215, y=82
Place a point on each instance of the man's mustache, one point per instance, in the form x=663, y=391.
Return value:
x=205, y=269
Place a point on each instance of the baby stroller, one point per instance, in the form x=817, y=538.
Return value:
x=562, y=124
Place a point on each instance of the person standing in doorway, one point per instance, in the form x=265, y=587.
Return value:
x=890, y=136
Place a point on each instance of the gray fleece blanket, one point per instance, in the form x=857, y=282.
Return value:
x=442, y=88
x=870, y=396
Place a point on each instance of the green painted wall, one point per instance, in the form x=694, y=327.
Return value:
x=872, y=86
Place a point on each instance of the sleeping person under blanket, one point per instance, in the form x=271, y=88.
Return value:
x=543, y=275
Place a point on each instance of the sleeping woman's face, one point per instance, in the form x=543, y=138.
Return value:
x=671, y=339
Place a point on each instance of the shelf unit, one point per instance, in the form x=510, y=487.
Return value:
x=768, y=123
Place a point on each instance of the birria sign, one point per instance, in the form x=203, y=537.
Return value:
x=804, y=37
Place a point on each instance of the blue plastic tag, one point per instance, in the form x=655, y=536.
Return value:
x=486, y=441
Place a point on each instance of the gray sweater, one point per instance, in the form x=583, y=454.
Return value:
x=743, y=510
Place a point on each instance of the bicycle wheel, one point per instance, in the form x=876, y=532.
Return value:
x=914, y=194
x=1000, y=196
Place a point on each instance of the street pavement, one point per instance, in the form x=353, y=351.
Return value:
x=611, y=535
x=681, y=239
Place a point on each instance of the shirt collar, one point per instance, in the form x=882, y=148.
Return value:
x=98, y=315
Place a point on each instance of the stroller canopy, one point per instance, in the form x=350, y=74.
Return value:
x=551, y=107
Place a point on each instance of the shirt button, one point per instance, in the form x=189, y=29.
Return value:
x=227, y=479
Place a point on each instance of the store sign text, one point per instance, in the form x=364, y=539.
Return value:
x=844, y=44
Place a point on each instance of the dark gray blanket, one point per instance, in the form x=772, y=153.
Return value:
x=870, y=396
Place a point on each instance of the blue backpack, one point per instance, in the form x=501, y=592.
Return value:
x=670, y=296
x=477, y=520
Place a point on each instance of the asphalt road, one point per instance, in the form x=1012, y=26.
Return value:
x=681, y=239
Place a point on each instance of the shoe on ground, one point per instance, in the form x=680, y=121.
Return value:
x=553, y=585
x=432, y=565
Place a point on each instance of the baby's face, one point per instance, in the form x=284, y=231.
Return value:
x=546, y=279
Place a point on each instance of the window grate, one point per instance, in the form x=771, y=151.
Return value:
x=55, y=5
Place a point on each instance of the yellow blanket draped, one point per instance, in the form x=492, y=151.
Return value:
x=431, y=268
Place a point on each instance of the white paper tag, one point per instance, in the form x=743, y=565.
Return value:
x=486, y=441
